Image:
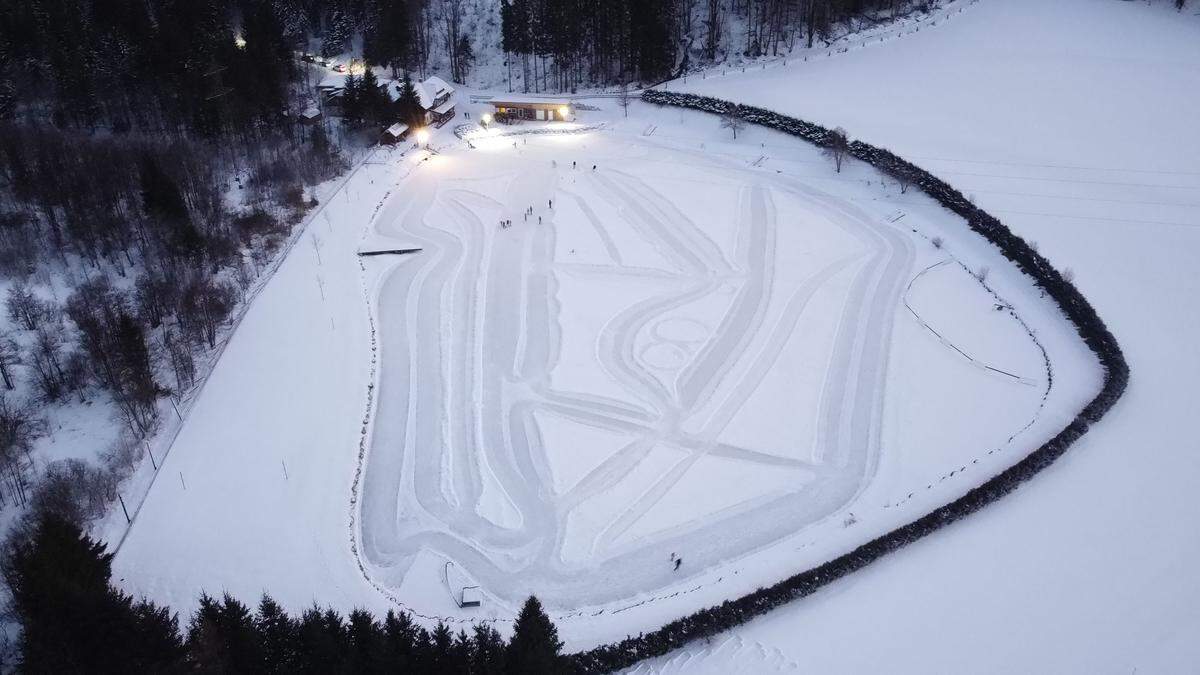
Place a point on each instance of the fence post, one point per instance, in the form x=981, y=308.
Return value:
x=128, y=520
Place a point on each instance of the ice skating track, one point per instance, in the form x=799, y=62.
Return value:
x=470, y=337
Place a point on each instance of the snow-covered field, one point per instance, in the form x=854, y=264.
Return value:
x=726, y=351
x=1074, y=122
x=713, y=348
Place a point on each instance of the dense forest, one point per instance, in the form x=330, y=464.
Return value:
x=151, y=166
x=74, y=621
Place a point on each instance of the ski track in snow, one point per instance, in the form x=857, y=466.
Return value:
x=470, y=336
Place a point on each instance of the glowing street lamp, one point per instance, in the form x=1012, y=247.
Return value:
x=563, y=112
x=487, y=119
x=422, y=136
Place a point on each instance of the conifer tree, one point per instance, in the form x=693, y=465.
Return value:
x=441, y=648
x=337, y=38
x=223, y=637
x=400, y=639
x=374, y=102
x=409, y=103
x=390, y=39
x=534, y=647
x=366, y=651
x=488, y=655
x=280, y=637
x=72, y=619
x=352, y=100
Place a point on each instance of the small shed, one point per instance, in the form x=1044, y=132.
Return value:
x=310, y=115
x=471, y=597
x=394, y=134
x=533, y=108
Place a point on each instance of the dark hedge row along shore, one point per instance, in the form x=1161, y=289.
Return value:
x=1078, y=310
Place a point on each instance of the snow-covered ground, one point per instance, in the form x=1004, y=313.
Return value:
x=708, y=347
x=724, y=350
x=1075, y=122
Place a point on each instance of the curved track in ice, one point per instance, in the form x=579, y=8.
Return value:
x=470, y=339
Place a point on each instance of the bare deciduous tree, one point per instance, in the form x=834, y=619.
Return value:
x=23, y=306
x=732, y=120
x=20, y=426
x=10, y=355
x=46, y=358
x=204, y=306
x=836, y=147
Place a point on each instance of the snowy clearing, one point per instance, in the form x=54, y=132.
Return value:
x=1074, y=122
x=718, y=349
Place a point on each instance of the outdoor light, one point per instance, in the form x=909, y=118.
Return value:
x=487, y=119
x=564, y=111
x=422, y=136
x=239, y=41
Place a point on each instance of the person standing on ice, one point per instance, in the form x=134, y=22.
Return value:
x=550, y=204
x=678, y=562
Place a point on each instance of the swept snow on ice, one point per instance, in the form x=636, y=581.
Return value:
x=693, y=349
x=717, y=349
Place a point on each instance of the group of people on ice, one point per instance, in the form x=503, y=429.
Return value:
x=505, y=224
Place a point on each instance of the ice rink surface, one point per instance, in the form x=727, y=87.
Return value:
x=685, y=352
x=702, y=366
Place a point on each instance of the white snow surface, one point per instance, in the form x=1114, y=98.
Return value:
x=714, y=348
x=1075, y=122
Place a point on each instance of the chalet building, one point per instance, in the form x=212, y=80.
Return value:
x=437, y=98
x=509, y=108
x=333, y=85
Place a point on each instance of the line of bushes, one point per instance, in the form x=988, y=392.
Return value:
x=1078, y=310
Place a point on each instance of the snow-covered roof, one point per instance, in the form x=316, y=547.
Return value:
x=438, y=86
x=332, y=80
x=471, y=596
x=444, y=108
x=397, y=129
x=311, y=113
x=431, y=90
x=525, y=100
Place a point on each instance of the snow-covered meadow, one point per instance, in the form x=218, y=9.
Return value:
x=716, y=349
x=1075, y=123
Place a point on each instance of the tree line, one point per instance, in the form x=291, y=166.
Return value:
x=74, y=620
x=564, y=44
